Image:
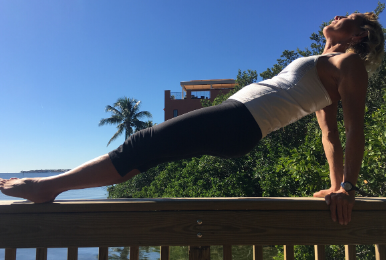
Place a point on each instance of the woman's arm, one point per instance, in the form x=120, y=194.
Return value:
x=352, y=87
x=332, y=147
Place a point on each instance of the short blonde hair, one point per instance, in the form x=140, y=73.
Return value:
x=370, y=48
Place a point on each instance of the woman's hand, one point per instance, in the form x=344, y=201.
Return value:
x=341, y=203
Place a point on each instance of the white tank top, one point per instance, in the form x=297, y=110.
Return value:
x=294, y=93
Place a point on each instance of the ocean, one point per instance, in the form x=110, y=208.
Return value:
x=146, y=253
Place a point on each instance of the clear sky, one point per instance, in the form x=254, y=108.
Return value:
x=62, y=62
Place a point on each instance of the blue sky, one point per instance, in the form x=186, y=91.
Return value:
x=62, y=62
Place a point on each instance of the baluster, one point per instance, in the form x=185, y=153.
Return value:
x=320, y=252
x=134, y=253
x=227, y=252
x=199, y=252
x=72, y=253
x=103, y=253
x=10, y=254
x=41, y=253
x=165, y=253
x=257, y=252
x=289, y=252
x=380, y=252
x=350, y=252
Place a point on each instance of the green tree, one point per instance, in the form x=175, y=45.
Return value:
x=146, y=124
x=127, y=116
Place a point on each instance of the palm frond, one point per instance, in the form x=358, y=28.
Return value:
x=117, y=134
x=143, y=125
x=136, y=106
x=113, y=120
x=125, y=112
x=144, y=114
x=113, y=110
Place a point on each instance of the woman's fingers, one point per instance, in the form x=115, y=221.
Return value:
x=339, y=210
x=349, y=211
x=345, y=214
x=340, y=206
x=332, y=204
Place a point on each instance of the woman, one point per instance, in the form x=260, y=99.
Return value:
x=312, y=84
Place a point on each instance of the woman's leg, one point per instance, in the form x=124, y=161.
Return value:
x=95, y=173
x=227, y=130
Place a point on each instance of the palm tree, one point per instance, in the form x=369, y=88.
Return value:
x=126, y=115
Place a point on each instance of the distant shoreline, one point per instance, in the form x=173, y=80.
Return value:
x=44, y=171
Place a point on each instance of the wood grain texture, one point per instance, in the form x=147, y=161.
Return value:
x=227, y=252
x=10, y=254
x=380, y=252
x=41, y=253
x=320, y=252
x=257, y=252
x=165, y=253
x=174, y=204
x=110, y=229
x=134, y=253
x=103, y=253
x=199, y=252
x=289, y=253
x=350, y=252
x=72, y=253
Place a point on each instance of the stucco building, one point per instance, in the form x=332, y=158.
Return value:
x=189, y=99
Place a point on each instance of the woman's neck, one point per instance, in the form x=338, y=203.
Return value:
x=335, y=46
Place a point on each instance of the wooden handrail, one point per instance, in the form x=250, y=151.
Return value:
x=198, y=222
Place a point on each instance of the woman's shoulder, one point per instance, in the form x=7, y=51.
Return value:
x=349, y=64
x=348, y=59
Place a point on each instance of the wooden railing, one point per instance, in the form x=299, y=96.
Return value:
x=198, y=222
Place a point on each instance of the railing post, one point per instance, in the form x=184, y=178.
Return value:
x=103, y=253
x=10, y=254
x=227, y=252
x=134, y=252
x=350, y=252
x=289, y=253
x=199, y=252
x=380, y=252
x=257, y=252
x=320, y=252
x=41, y=253
x=165, y=253
x=72, y=253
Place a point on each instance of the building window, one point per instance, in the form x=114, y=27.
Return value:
x=175, y=112
x=200, y=95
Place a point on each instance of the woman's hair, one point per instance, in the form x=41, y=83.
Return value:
x=370, y=48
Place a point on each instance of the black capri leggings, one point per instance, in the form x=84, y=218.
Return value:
x=227, y=130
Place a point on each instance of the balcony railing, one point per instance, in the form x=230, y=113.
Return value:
x=194, y=95
x=176, y=95
x=198, y=222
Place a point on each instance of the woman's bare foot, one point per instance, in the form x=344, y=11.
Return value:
x=27, y=188
x=324, y=193
x=95, y=173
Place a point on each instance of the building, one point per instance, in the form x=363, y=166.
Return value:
x=189, y=99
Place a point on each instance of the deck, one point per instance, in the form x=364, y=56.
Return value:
x=197, y=222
